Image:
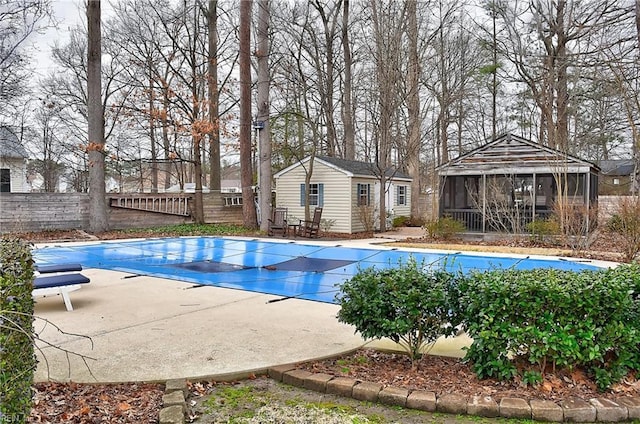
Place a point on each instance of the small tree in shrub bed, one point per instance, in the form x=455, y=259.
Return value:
x=17, y=359
x=444, y=228
x=625, y=223
x=545, y=319
x=407, y=304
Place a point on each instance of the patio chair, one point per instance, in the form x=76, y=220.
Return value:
x=311, y=229
x=62, y=280
x=278, y=221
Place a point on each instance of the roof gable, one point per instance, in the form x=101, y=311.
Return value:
x=10, y=146
x=509, y=152
x=351, y=168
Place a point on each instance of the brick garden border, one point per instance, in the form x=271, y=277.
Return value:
x=572, y=409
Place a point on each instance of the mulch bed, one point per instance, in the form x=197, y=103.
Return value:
x=443, y=375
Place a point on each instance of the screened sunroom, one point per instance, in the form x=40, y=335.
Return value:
x=509, y=182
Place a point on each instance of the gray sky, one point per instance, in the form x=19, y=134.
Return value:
x=68, y=13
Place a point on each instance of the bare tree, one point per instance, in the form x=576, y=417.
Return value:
x=19, y=19
x=137, y=35
x=180, y=80
x=49, y=149
x=67, y=89
x=567, y=33
x=310, y=64
x=98, y=218
x=387, y=22
x=325, y=66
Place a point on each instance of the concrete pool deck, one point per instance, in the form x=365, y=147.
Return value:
x=137, y=328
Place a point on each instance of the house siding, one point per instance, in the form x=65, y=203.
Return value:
x=337, y=197
x=356, y=213
x=391, y=201
x=402, y=210
x=340, y=207
x=18, y=171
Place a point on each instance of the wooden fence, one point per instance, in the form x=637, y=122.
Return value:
x=27, y=212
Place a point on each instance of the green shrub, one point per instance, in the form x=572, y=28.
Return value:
x=400, y=221
x=17, y=359
x=541, y=230
x=614, y=223
x=553, y=319
x=415, y=222
x=406, y=304
x=444, y=228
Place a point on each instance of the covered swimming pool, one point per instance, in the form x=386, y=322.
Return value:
x=287, y=269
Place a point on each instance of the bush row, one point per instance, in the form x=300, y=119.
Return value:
x=17, y=359
x=523, y=323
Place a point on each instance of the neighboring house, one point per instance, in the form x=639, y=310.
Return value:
x=512, y=181
x=348, y=191
x=13, y=163
x=616, y=177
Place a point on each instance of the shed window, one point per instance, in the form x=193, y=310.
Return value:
x=316, y=194
x=401, y=195
x=5, y=180
x=364, y=194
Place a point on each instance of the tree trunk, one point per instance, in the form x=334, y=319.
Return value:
x=413, y=108
x=152, y=136
x=166, y=141
x=264, y=141
x=562, y=91
x=347, y=107
x=246, y=169
x=98, y=218
x=214, y=119
x=197, y=134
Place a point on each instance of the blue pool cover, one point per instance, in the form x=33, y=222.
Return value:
x=297, y=270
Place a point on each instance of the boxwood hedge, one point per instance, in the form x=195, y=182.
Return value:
x=17, y=359
x=535, y=321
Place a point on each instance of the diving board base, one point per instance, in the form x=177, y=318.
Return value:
x=60, y=290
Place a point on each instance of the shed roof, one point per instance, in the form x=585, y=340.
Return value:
x=617, y=167
x=351, y=168
x=10, y=146
x=509, y=153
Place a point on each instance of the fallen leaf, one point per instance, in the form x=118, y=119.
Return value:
x=124, y=407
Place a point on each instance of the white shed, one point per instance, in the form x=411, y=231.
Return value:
x=348, y=191
x=13, y=165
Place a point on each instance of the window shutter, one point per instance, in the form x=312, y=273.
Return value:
x=320, y=194
x=301, y=194
x=397, y=195
x=368, y=194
